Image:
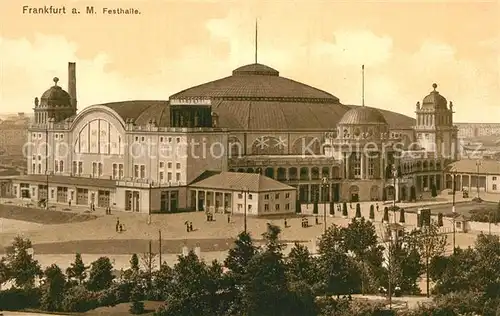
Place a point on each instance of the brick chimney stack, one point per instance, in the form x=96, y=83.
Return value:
x=72, y=83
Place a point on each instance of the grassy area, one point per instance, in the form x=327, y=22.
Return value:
x=122, y=309
x=41, y=216
x=129, y=246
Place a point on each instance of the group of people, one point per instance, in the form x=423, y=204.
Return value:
x=108, y=210
x=119, y=226
x=189, y=226
x=305, y=222
x=210, y=217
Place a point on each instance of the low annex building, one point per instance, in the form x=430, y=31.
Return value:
x=237, y=193
x=474, y=175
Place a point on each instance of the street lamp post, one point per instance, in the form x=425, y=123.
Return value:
x=394, y=176
x=245, y=193
x=324, y=184
x=47, y=163
x=478, y=163
x=453, y=210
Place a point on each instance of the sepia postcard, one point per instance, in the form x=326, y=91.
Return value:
x=249, y=158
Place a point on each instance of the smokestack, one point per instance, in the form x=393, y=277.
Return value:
x=72, y=83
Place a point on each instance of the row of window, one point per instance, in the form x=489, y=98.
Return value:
x=169, y=165
x=140, y=173
x=266, y=196
x=266, y=207
x=162, y=139
x=39, y=136
x=169, y=176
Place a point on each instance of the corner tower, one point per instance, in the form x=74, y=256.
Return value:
x=55, y=103
x=434, y=125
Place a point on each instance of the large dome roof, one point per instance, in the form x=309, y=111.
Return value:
x=434, y=99
x=256, y=98
x=257, y=82
x=55, y=96
x=363, y=116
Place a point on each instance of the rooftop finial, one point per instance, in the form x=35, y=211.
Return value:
x=434, y=86
x=363, y=85
x=256, y=38
x=56, y=80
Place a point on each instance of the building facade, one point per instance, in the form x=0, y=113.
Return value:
x=148, y=156
x=474, y=176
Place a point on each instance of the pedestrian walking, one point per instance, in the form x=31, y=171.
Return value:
x=190, y=226
x=69, y=203
x=117, y=224
x=317, y=221
x=228, y=218
x=286, y=223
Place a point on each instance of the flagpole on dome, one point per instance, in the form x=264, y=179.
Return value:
x=256, y=39
x=363, y=85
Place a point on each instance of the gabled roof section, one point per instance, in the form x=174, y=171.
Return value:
x=239, y=181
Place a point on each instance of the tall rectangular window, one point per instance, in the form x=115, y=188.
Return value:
x=136, y=171
x=143, y=172
x=115, y=171
x=75, y=167
x=371, y=167
x=80, y=167
x=120, y=171
x=357, y=165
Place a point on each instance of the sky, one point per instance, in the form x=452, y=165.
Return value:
x=172, y=45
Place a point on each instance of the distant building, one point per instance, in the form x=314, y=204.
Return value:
x=472, y=175
x=471, y=130
x=13, y=135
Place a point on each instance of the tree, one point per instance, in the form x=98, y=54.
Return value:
x=22, y=267
x=77, y=270
x=100, y=275
x=402, y=215
x=137, y=306
x=240, y=255
x=430, y=243
x=162, y=282
x=453, y=272
x=194, y=290
x=385, y=219
x=360, y=238
x=134, y=263
x=344, y=210
x=315, y=207
x=358, y=210
x=332, y=208
x=405, y=266
x=53, y=289
x=300, y=265
x=372, y=212
x=265, y=284
x=336, y=269
x=4, y=272
x=433, y=190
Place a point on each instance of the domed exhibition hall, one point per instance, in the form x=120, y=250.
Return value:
x=262, y=143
